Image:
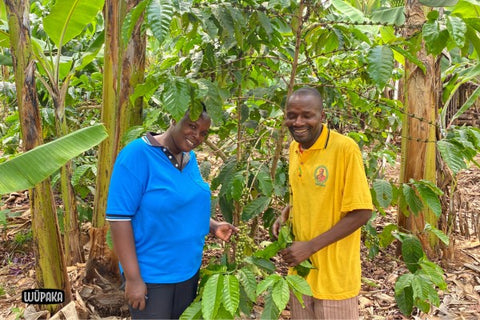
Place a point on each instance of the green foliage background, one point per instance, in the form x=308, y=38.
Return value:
x=241, y=59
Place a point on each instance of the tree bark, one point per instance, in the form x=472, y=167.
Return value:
x=421, y=93
x=50, y=267
x=123, y=69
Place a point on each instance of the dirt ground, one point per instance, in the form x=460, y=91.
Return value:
x=462, y=273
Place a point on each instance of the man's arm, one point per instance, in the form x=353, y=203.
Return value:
x=302, y=250
x=124, y=245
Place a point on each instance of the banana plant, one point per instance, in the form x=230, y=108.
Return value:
x=31, y=167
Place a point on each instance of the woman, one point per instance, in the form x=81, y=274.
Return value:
x=159, y=212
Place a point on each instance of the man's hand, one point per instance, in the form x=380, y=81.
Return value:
x=277, y=225
x=297, y=252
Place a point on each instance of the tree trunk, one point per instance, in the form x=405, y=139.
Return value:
x=50, y=268
x=123, y=69
x=421, y=92
x=71, y=238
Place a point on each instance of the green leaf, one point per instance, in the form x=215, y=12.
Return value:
x=255, y=207
x=411, y=198
x=67, y=19
x=422, y=291
x=212, y=296
x=380, y=65
x=435, y=38
x=231, y=293
x=281, y=294
x=225, y=175
x=131, y=20
x=440, y=235
x=404, y=295
x=412, y=252
x=270, y=310
x=404, y=281
x=386, y=237
x=269, y=251
x=176, y=98
x=298, y=284
x=438, y=3
x=249, y=283
x=194, y=311
x=4, y=39
x=383, y=192
x=159, y=16
x=265, y=182
x=211, y=95
x=238, y=183
x=452, y=156
x=429, y=197
x=433, y=272
x=348, y=11
x=262, y=263
x=411, y=57
x=267, y=283
x=457, y=29
x=395, y=16
x=33, y=166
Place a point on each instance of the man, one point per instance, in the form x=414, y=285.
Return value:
x=330, y=201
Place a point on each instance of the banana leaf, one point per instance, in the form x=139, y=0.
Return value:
x=33, y=166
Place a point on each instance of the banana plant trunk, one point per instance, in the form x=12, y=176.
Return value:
x=124, y=67
x=421, y=96
x=50, y=267
x=71, y=238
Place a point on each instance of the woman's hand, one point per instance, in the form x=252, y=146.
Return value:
x=136, y=293
x=222, y=230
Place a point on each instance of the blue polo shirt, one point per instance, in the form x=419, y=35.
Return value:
x=169, y=210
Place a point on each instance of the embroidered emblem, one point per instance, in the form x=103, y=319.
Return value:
x=321, y=176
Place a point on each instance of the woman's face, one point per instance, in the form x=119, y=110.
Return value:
x=189, y=134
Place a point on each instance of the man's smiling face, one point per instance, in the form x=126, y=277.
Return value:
x=304, y=118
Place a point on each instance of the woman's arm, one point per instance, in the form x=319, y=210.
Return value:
x=124, y=245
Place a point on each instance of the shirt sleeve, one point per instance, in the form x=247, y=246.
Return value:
x=356, y=194
x=127, y=186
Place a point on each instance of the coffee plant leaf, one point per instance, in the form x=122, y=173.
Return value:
x=411, y=198
x=380, y=65
x=412, y=252
x=270, y=310
x=249, y=283
x=383, y=192
x=298, y=284
x=159, y=14
x=212, y=296
x=194, y=311
x=429, y=197
x=281, y=294
x=267, y=283
x=231, y=293
x=404, y=293
x=256, y=207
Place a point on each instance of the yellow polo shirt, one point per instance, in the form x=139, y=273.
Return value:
x=328, y=181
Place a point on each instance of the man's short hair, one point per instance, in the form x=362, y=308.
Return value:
x=308, y=91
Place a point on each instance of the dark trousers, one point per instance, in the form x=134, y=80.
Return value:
x=167, y=301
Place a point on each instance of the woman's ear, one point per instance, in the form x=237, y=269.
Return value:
x=173, y=122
